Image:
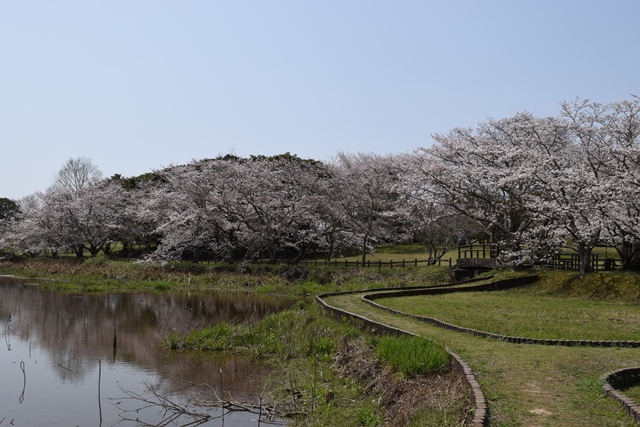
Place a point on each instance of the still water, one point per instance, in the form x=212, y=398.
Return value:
x=89, y=360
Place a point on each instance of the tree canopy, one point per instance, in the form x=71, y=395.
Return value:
x=531, y=185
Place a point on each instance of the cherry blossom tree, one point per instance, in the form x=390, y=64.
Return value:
x=240, y=208
x=609, y=136
x=428, y=220
x=38, y=229
x=76, y=213
x=80, y=220
x=187, y=208
x=275, y=203
x=365, y=190
x=485, y=174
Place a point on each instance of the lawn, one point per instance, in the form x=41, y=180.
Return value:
x=513, y=314
x=535, y=385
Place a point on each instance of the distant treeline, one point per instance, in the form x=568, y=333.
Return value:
x=529, y=185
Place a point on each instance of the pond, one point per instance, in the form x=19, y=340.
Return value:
x=96, y=360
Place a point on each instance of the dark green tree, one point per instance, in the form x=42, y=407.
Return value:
x=8, y=208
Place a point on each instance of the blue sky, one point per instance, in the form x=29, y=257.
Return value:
x=137, y=85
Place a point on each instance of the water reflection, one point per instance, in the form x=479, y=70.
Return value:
x=59, y=351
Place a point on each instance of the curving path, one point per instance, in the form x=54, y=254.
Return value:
x=532, y=386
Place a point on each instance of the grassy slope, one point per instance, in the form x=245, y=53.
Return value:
x=537, y=385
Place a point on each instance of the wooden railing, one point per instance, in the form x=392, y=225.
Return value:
x=379, y=263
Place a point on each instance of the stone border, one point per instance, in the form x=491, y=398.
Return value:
x=612, y=381
x=623, y=378
x=494, y=286
x=479, y=402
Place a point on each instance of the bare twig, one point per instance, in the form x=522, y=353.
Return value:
x=198, y=411
x=24, y=384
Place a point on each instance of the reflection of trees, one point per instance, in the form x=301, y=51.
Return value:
x=77, y=330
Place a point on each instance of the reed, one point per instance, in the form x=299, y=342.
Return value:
x=412, y=356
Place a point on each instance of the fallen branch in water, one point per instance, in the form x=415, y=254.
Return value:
x=195, y=413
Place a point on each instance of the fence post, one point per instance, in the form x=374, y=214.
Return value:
x=416, y=262
x=379, y=264
x=391, y=263
x=402, y=262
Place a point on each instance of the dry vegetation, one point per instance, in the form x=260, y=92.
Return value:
x=437, y=399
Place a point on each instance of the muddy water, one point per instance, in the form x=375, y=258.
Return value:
x=87, y=360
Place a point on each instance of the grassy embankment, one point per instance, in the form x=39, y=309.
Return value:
x=533, y=385
x=104, y=275
x=405, y=382
x=330, y=373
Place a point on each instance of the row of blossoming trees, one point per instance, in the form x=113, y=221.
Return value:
x=531, y=185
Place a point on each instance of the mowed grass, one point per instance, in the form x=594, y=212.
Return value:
x=536, y=385
x=523, y=314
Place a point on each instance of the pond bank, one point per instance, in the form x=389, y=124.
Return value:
x=313, y=388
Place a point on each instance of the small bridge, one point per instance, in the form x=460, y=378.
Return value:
x=477, y=256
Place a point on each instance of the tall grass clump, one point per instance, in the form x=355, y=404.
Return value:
x=219, y=337
x=412, y=356
x=290, y=334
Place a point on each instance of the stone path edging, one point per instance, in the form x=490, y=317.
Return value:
x=613, y=380
x=494, y=286
x=479, y=402
x=623, y=378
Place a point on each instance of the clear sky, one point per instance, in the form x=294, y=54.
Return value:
x=136, y=85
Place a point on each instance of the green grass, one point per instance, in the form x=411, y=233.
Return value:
x=303, y=344
x=532, y=317
x=526, y=385
x=101, y=275
x=219, y=337
x=596, y=308
x=535, y=385
x=412, y=356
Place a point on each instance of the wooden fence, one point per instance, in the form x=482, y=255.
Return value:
x=568, y=261
x=484, y=256
x=378, y=264
x=473, y=256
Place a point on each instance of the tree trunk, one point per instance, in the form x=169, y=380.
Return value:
x=273, y=255
x=629, y=255
x=330, y=250
x=364, y=248
x=107, y=249
x=79, y=251
x=584, y=258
